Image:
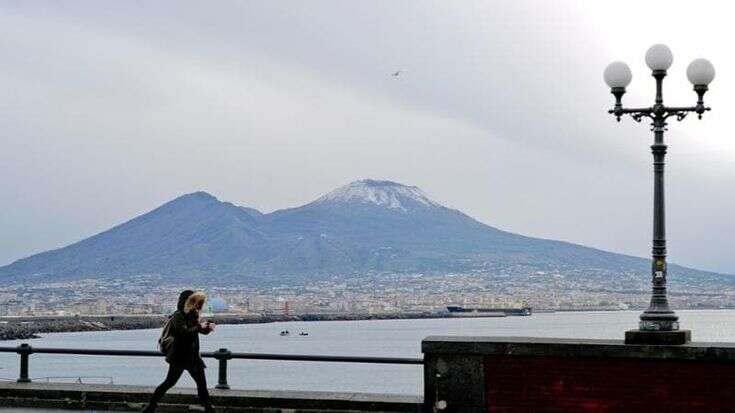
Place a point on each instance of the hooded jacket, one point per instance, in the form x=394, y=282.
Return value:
x=185, y=329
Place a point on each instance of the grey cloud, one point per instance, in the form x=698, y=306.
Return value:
x=113, y=108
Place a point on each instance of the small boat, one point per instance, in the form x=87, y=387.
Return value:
x=303, y=333
x=285, y=333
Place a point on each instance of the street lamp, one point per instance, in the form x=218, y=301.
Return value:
x=658, y=324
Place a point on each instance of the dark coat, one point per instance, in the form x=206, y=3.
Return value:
x=185, y=329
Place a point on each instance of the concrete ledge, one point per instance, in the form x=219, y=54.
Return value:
x=562, y=347
x=676, y=337
x=132, y=398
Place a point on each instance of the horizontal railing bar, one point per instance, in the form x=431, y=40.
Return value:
x=90, y=352
x=242, y=356
x=338, y=359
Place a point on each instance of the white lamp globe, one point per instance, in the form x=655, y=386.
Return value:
x=659, y=57
x=700, y=72
x=617, y=74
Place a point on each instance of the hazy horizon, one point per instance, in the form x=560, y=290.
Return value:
x=499, y=111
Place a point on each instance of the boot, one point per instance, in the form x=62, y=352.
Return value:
x=149, y=408
x=209, y=409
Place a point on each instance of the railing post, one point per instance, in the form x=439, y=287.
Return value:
x=222, y=355
x=24, y=350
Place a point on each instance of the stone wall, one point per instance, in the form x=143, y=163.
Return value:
x=485, y=374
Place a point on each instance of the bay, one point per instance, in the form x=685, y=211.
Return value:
x=390, y=338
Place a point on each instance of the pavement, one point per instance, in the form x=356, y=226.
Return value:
x=25, y=410
x=102, y=397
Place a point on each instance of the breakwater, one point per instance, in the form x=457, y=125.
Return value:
x=27, y=327
x=20, y=328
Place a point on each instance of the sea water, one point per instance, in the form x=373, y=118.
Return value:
x=388, y=338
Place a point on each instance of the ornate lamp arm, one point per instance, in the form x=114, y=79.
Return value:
x=636, y=113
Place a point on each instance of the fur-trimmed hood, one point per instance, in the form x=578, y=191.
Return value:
x=182, y=299
x=193, y=299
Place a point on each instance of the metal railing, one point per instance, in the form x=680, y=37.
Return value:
x=222, y=355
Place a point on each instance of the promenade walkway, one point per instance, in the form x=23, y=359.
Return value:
x=27, y=410
x=103, y=397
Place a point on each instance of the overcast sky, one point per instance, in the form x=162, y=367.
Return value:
x=109, y=109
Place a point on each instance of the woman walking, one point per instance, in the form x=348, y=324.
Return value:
x=183, y=354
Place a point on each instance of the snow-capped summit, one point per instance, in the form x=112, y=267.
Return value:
x=382, y=193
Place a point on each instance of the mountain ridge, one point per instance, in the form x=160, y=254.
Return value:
x=362, y=227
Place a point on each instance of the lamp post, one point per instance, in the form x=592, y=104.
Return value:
x=658, y=324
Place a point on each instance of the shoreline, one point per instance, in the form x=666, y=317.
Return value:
x=26, y=327
x=23, y=327
x=20, y=328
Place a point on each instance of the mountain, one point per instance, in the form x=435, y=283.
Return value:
x=366, y=226
x=193, y=234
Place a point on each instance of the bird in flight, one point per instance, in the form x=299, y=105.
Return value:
x=397, y=73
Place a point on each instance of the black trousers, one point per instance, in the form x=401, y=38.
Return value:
x=174, y=374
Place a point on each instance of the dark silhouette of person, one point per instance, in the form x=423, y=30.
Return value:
x=184, y=352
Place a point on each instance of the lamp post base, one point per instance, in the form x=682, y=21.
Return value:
x=676, y=337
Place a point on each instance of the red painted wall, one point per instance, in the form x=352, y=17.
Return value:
x=561, y=384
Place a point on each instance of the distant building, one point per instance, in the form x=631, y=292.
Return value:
x=219, y=305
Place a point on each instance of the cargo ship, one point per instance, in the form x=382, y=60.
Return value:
x=488, y=312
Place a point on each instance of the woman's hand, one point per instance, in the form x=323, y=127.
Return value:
x=207, y=327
